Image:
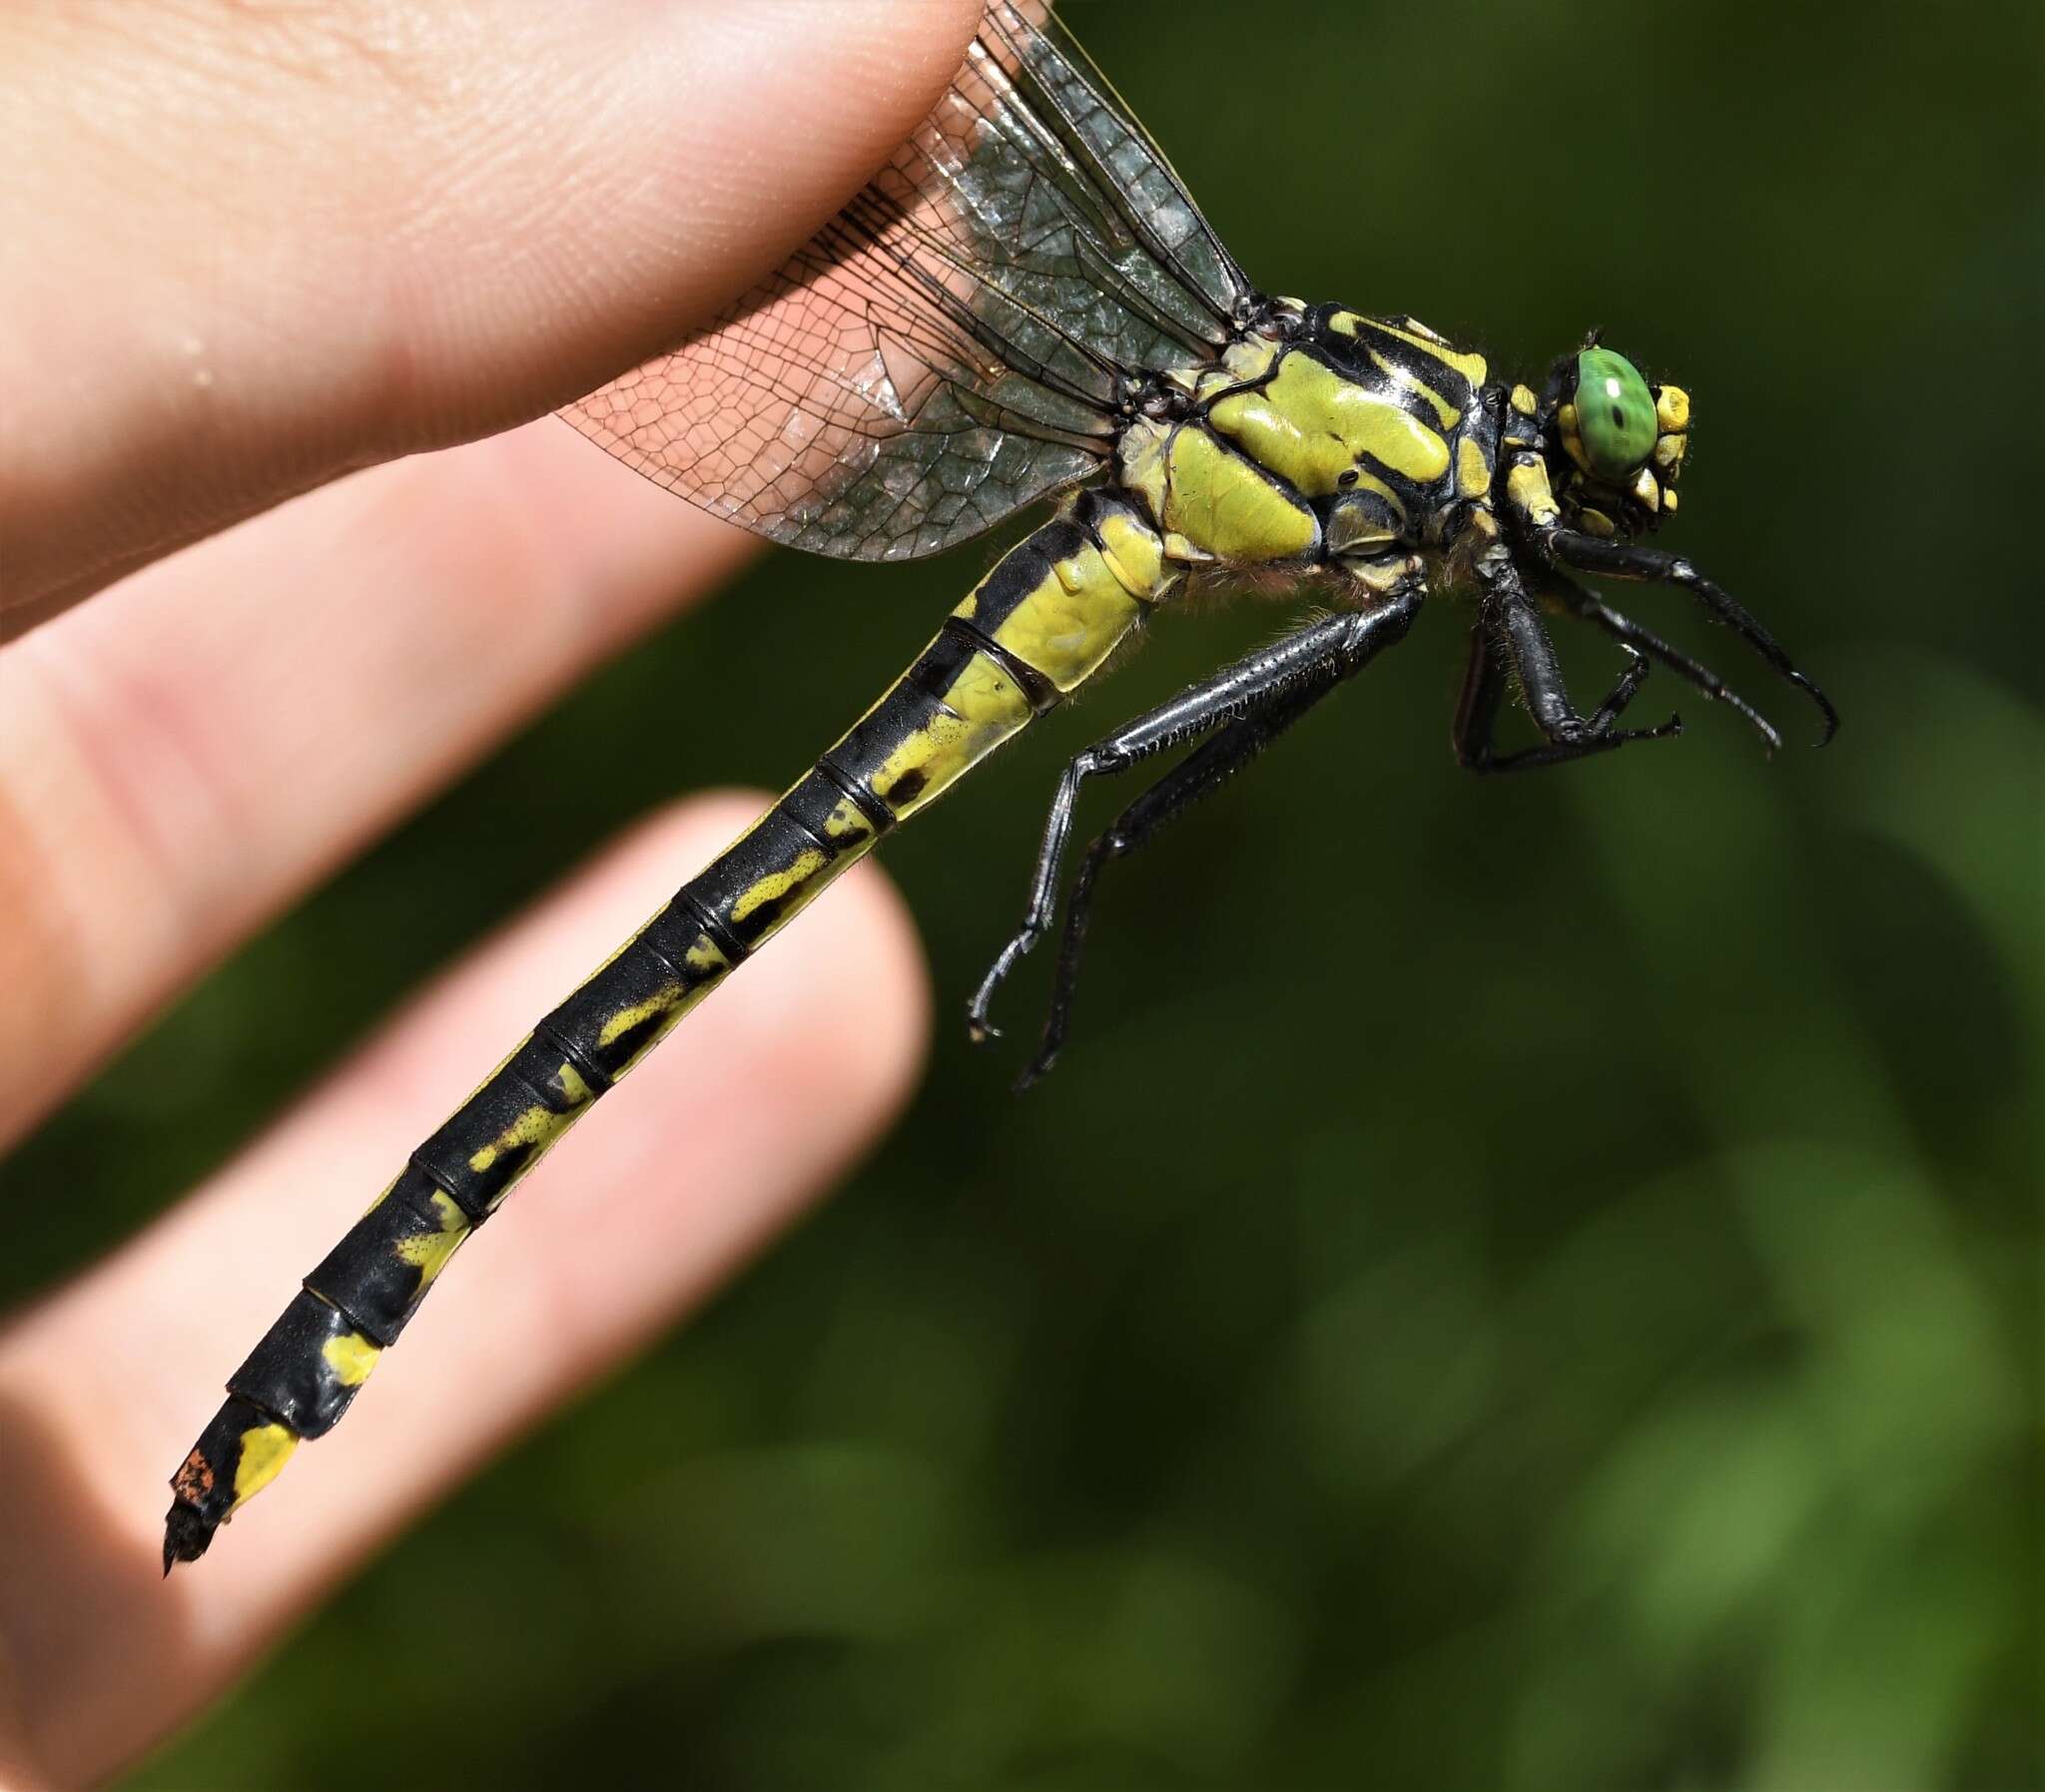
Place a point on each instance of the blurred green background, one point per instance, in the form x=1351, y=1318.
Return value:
x=1561, y=1312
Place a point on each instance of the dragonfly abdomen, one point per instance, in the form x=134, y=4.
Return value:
x=1048, y=614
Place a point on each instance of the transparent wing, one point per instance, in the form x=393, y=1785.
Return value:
x=956, y=342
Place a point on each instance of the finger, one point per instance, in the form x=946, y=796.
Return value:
x=714, y=1142
x=248, y=250
x=182, y=757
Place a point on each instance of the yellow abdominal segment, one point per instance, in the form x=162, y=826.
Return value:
x=778, y=886
x=427, y=1252
x=537, y=1127
x=981, y=710
x=1069, y=622
x=265, y=1450
x=351, y=1357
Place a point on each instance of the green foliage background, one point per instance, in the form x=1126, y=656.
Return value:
x=1519, y=1285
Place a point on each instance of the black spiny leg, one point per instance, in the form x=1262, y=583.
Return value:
x=1580, y=601
x=1199, y=775
x=1588, y=553
x=1510, y=632
x=1316, y=657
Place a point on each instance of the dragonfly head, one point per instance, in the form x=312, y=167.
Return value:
x=1618, y=441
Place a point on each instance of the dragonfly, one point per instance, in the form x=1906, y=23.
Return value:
x=1026, y=304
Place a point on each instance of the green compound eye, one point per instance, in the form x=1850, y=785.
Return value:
x=1615, y=414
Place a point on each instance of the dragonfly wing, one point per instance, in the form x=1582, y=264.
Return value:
x=955, y=344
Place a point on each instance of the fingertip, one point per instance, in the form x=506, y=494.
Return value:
x=378, y=247
x=685, y=157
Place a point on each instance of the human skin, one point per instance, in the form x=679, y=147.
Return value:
x=247, y=253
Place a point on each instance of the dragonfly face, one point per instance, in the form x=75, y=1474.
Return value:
x=1617, y=443
x=1025, y=304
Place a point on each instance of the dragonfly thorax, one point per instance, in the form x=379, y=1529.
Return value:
x=1320, y=433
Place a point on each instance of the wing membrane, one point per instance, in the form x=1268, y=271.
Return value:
x=956, y=342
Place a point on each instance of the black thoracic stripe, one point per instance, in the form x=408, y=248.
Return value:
x=1042, y=694
x=878, y=814
x=1423, y=363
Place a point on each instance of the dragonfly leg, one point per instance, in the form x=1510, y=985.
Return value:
x=1589, y=553
x=1312, y=659
x=1580, y=601
x=1202, y=774
x=1509, y=637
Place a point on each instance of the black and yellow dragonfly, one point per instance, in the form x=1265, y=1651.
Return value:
x=1023, y=303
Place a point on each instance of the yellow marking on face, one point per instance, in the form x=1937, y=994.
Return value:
x=777, y=885
x=1135, y=555
x=265, y=1450
x=1572, y=438
x=1311, y=425
x=1672, y=409
x=1524, y=401
x=1528, y=490
x=981, y=710
x=1472, y=471
x=1228, y=506
x=1442, y=410
x=427, y=1252
x=351, y=1357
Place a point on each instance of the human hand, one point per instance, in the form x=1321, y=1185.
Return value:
x=247, y=253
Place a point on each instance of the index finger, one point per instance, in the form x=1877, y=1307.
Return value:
x=251, y=250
